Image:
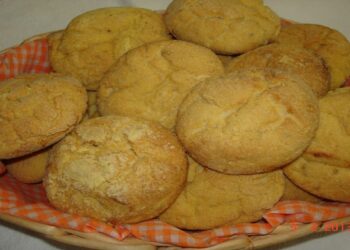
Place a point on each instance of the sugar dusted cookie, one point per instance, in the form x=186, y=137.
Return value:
x=37, y=111
x=248, y=122
x=211, y=199
x=292, y=59
x=225, y=26
x=152, y=80
x=329, y=44
x=116, y=169
x=93, y=41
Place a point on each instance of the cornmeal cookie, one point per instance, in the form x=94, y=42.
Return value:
x=294, y=60
x=37, y=111
x=151, y=81
x=328, y=43
x=293, y=192
x=225, y=26
x=93, y=41
x=248, y=122
x=324, y=168
x=139, y=168
x=321, y=179
x=30, y=168
x=211, y=199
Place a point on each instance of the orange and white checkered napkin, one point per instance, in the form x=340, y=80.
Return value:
x=30, y=202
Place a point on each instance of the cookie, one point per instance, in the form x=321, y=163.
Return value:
x=93, y=41
x=152, y=80
x=324, y=168
x=139, y=168
x=211, y=199
x=225, y=26
x=37, y=111
x=294, y=60
x=321, y=179
x=293, y=192
x=329, y=44
x=248, y=122
x=30, y=168
x=331, y=144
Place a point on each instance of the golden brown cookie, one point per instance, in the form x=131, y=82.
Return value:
x=293, y=192
x=37, y=111
x=151, y=81
x=294, y=60
x=225, y=26
x=329, y=44
x=211, y=199
x=321, y=179
x=248, y=122
x=324, y=168
x=30, y=168
x=332, y=142
x=93, y=41
x=139, y=168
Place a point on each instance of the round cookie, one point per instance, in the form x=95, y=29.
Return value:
x=225, y=26
x=324, y=168
x=93, y=41
x=152, y=80
x=331, y=144
x=37, y=111
x=139, y=168
x=329, y=44
x=293, y=192
x=248, y=122
x=30, y=168
x=321, y=179
x=211, y=199
x=294, y=60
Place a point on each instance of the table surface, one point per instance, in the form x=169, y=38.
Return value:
x=20, y=19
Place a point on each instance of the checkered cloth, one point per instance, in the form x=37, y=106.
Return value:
x=30, y=202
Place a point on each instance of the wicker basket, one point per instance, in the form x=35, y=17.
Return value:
x=281, y=234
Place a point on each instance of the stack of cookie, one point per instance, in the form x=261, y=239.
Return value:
x=194, y=116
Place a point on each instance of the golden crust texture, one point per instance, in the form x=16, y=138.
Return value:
x=324, y=180
x=93, y=41
x=225, y=26
x=294, y=60
x=329, y=44
x=152, y=80
x=324, y=168
x=211, y=199
x=30, y=168
x=116, y=169
x=37, y=111
x=293, y=192
x=248, y=122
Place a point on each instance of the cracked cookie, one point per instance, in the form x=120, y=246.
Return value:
x=225, y=26
x=93, y=41
x=152, y=80
x=139, y=168
x=294, y=60
x=248, y=122
x=37, y=111
x=329, y=44
x=324, y=168
x=211, y=199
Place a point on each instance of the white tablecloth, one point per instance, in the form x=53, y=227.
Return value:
x=20, y=19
